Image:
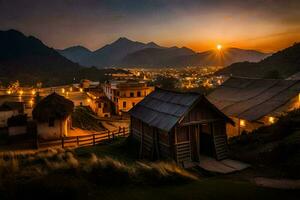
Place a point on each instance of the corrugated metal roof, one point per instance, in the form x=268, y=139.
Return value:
x=252, y=99
x=163, y=109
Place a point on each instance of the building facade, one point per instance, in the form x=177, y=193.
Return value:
x=126, y=93
x=253, y=102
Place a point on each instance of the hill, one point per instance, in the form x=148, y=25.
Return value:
x=110, y=55
x=127, y=53
x=27, y=59
x=75, y=53
x=153, y=57
x=280, y=65
x=181, y=57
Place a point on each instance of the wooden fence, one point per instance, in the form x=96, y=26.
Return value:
x=85, y=140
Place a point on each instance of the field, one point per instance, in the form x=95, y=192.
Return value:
x=110, y=171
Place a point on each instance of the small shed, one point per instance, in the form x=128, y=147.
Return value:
x=179, y=126
x=53, y=116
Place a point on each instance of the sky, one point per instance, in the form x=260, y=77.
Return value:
x=265, y=25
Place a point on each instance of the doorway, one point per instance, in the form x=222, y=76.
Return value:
x=206, y=140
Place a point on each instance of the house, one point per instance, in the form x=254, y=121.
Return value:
x=126, y=93
x=17, y=125
x=179, y=126
x=252, y=103
x=9, y=109
x=99, y=103
x=53, y=116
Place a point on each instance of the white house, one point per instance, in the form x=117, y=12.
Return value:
x=53, y=116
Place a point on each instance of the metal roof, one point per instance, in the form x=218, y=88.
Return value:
x=163, y=109
x=251, y=99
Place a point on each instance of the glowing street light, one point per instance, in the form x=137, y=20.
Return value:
x=21, y=92
x=63, y=90
x=80, y=89
x=8, y=91
x=219, y=47
x=33, y=92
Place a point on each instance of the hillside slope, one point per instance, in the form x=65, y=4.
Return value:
x=280, y=65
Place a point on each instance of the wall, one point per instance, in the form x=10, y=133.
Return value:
x=4, y=115
x=59, y=129
x=17, y=130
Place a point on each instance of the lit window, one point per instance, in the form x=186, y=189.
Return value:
x=271, y=120
x=242, y=123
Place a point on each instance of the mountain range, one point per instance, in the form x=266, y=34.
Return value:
x=281, y=64
x=27, y=59
x=127, y=53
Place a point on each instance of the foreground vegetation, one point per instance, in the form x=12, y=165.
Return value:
x=111, y=171
x=275, y=149
x=84, y=118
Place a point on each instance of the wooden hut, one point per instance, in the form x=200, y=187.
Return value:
x=53, y=116
x=179, y=126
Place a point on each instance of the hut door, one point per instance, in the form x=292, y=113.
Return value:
x=194, y=131
x=206, y=140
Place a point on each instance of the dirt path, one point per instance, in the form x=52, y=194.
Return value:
x=277, y=183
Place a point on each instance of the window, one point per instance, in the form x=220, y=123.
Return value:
x=51, y=122
x=131, y=94
x=139, y=93
x=124, y=104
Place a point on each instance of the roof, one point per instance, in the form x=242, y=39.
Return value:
x=52, y=106
x=18, y=120
x=252, y=99
x=295, y=76
x=14, y=105
x=4, y=107
x=163, y=109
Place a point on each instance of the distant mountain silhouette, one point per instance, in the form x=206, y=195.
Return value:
x=154, y=57
x=111, y=54
x=28, y=60
x=75, y=53
x=181, y=57
x=126, y=53
x=279, y=65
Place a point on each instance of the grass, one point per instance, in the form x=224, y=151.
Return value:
x=123, y=150
x=110, y=171
x=275, y=147
x=84, y=118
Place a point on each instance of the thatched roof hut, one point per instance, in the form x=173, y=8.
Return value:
x=52, y=106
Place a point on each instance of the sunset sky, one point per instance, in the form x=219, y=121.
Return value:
x=266, y=25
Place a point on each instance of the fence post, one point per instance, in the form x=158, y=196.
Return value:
x=62, y=142
x=119, y=130
x=108, y=135
x=113, y=136
x=124, y=131
x=94, y=139
x=77, y=140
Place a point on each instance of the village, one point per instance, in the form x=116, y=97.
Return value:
x=188, y=128
x=149, y=100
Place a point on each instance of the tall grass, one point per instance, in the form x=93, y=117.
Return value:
x=99, y=170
